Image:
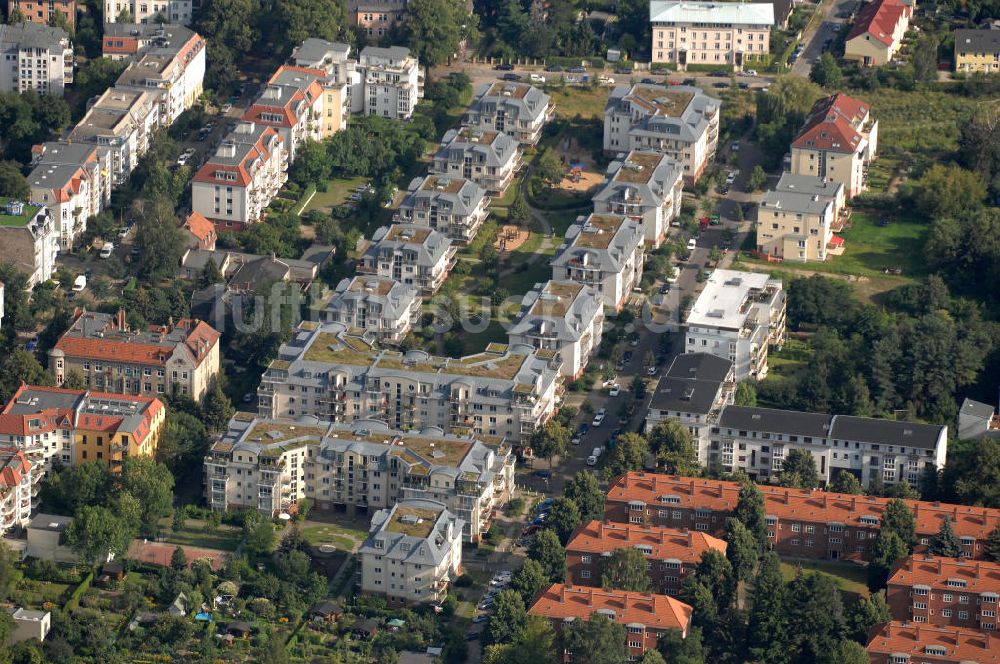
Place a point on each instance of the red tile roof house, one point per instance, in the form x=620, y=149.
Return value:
x=949, y=592
x=646, y=617
x=18, y=484
x=912, y=643
x=801, y=523
x=878, y=32
x=672, y=553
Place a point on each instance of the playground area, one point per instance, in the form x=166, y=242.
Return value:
x=581, y=174
x=510, y=238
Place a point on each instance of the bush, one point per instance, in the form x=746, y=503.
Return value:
x=515, y=507
x=463, y=581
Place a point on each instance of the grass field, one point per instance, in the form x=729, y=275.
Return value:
x=340, y=536
x=848, y=577
x=336, y=193
x=225, y=538
x=572, y=101
x=924, y=120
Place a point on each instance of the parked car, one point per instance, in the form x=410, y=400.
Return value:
x=226, y=108
x=664, y=289
x=542, y=474
x=510, y=76
x=577, y=70
x=504, y=67
x=79, y=284
x=689, y=81
x=750, y=72
x=107, y=250
x=537, y=78
x=599, y=417
x=576, y=439
x=720, y=85
x=735, y=147
x=692, y=243
x=627, y=356
x=584, y=428
x=616, y=389
x=719, y=73
x=605, y=80
x=32, y=344
x=481, y=618
x=648, y=81
x=553, y=68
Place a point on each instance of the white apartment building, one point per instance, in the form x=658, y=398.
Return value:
x=517, y=109
x=28, y=239
x=738, y=316
x=171, y=69
x=645, y=187
x=149, y=11
x=381, y=306
x=358, y=467
x=488, y=158
x=693, y=391
x=758, y=439
x=120, y=123
x=604, y=252
x=679, y=121
x=19, y=480
x=290, y=110
x=413, y=552
x=452, y=206
x=74, y=181
x=413, y=255
x=563, y=317
x=238, y=182
x=506, y=391
x=393, y=81
x=35, y=57
x=727, y=34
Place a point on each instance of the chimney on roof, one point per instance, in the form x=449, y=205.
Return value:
x=120, y=321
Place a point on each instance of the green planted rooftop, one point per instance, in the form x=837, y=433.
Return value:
x=412, y=521
x=16, y=220
x=336, y=350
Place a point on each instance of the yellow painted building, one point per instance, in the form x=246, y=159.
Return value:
x=977, y=51
x=110, y=428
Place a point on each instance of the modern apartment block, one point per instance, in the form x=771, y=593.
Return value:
x=795, y=227
x=238, y=182
x=645, y=187
x=945, y=592
x=757, y=440
x=977, y=51
x=335, y=376
x=738, y=316
x=35, y=57
x=152, y=12
x=488, y=158
x=679, y=121
x=802, y=523
x=413, y=552
x=42, y=12
x=120, y=122
x=913, y=643
x=19, y=480
x=361, y=466
x=604, y=252
x=393, y=81
x=171, y=68
x=74, y=181
x=646, y=617
x=289, y=110
x=671, y=553
x=977, y=420
x=413, y=255
x=725, y=34
x=380, y=306
x=452, y=206
x=181, y=356
x=563, y=317
x=517, y=109
x=823, y=189
x=838, y=142
x=28, y=239
x=52, y=425
x=877, y=33
x=694, y=391
x=124, y=41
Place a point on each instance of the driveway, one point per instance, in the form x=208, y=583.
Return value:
x=835, y=18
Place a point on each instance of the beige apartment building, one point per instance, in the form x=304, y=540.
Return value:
x=686, y=32
x=977, y=51
x=329, y=373
x=182, y=356
x=358, y=467
x=794, y=226
x=838, y=142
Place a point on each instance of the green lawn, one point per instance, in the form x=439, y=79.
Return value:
x=520, y=282
x=789, y=362
x=225, y=538
x=476, y=342
x=849, y=578
x=340, y=536
x=337, y=191
x=583, y=101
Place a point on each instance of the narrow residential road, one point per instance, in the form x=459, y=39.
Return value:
x=834, y=15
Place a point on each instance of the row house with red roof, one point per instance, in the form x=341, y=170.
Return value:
x=69, y=427
x=877, y=33
x=181, y=357
x=291, y=104
x=801, y=523
x=913, y=643
x=74, y=181
x=238, y=182
x=671, y=553
x=646, y=617
x=18, y=487
x=838, y=142
x=945, y=591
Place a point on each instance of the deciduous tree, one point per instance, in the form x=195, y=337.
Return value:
x=585, y=490
x=898, y=518
x=742, y=550
x=826, y=72
x=629, y=453
x=673, y=446
x=626, y=570
x=799, y=470
x=549, y=553
x=563, y=518
x=866, y=613
x=746, y=394
x=597, y=640
x=847, y=482
x=434, y=29
x=888, y=548
x=152, y=485
x=750, y=510
x=530, y=580
x=95, y=532
x=509, y=617
x=13, y=184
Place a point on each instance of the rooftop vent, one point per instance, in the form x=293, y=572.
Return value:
x=409, y=519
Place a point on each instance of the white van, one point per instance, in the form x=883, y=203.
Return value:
x=106, y=250
x=79, y=283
